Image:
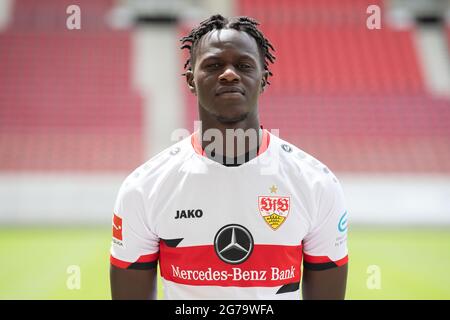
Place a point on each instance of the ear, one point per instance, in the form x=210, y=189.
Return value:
x=190, y=81
x=264, y=81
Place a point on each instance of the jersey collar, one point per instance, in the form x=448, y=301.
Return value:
x=195, y=141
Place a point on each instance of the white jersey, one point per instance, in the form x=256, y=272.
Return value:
x=238, y=232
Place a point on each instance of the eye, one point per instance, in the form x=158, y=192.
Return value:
x=244, y=66
x=213, y=65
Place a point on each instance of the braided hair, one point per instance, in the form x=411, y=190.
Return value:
x=246, y=24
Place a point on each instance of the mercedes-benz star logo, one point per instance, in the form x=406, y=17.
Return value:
x=233, y=244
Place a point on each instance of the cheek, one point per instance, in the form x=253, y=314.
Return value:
x=201, y=91
x=255, y=88
x=203, y=85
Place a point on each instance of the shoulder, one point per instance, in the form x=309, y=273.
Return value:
x=153, y=170
x=308, y=167
x=313, y=178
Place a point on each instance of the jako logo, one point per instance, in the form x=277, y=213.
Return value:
x=189, y=214
x=342, y=226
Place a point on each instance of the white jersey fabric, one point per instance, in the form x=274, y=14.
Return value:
x=237, y=232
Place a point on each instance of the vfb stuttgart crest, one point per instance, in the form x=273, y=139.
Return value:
x=274, y=209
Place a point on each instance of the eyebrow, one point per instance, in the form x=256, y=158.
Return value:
x=216, y=56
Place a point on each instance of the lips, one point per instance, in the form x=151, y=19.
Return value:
x=223, y=90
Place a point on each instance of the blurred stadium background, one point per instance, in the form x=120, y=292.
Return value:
x=80, y=109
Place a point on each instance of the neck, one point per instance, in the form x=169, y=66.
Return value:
x=231, y=143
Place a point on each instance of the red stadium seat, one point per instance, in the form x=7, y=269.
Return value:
x=353, y=97
x=66, y=99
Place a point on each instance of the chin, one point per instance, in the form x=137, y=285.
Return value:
x=231, y=113
x=229, y=119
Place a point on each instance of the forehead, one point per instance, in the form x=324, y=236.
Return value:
x=218, y=41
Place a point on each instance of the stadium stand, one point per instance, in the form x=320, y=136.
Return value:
x=351, y=96
x=66, y=101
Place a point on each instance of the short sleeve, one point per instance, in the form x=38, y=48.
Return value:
x=325, y=246
x=134, y=245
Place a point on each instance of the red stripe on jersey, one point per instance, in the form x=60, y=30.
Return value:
x=342, y=261
x=324, y=259
x=119, y=263
x=267, y=266
x=196, y=144
x=142, y=259
x=195, y=141
x=148, y=257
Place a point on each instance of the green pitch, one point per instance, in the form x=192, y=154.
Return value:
x=42, y=263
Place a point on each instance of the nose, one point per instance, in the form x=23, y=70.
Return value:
x=229, y=75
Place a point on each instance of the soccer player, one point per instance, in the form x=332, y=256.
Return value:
x=228, y=217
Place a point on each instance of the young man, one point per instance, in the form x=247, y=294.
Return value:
x=232, y=211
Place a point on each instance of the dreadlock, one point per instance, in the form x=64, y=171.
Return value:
x=246, y=24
